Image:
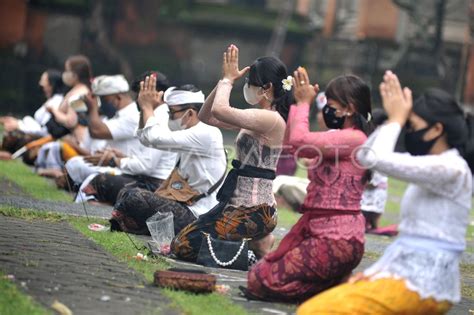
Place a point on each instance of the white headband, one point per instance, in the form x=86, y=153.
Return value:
x=109, y=85
x=174, y=97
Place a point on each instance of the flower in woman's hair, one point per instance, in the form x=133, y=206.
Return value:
x=287, y=83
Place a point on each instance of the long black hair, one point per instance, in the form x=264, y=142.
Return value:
x=272, y=70
x=56, y=81
x=162, y=82
x=436, y=105
x=350, y=89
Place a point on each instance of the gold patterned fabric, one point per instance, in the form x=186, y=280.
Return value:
x=385, y=296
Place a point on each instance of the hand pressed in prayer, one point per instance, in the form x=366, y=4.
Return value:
x=303, y=90
x=230, y=65
x=396, y=102
x=148, y=97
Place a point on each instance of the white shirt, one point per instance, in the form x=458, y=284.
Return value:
x=374, y=197
x=122, y=128
x=201, y=153
x=434, y=216
x=41, y=117
x=91, y=144
x=152, y=162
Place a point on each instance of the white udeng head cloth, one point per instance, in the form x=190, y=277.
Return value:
x=109, y=85
x=174, y=97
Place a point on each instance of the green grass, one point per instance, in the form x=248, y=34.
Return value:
x=467, y=269
x=13, y=301
x=121, y=247
x=31, y=183
x=301, y=171
x=396, y=187
x=287, y=218
x=26, y=214
x=204, y=304
x=467, y=279
x=372, y=255
x=467, y=292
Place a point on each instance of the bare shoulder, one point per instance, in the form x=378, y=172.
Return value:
x=267, y=115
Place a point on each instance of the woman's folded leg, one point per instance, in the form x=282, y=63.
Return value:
x=311, y=266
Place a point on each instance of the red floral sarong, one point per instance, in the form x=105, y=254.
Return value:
x=318, y=253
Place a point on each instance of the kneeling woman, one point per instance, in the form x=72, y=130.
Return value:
x=327, y=243
x=246, y=206
x=419, y=272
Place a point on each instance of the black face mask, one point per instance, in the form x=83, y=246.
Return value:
x=414, y=143
x=330, y=118
x=107, y=109
x=82, y=119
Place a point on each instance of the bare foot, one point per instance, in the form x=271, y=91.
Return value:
x=262, y=246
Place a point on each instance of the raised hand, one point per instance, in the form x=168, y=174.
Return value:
x=397, y=103
x=149, y=97
x=303, y=90
x=230, y=65
x=91, y=102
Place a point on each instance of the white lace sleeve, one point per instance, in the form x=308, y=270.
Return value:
x=430, y=171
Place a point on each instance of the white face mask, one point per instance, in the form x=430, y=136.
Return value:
x=68, y=78
x=251, y=94
x=176, y=124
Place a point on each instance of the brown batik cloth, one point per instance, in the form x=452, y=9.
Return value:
x=140, y=204
x=232, y=224
x=108, y=186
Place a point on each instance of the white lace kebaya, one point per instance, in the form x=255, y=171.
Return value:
x=434, y=216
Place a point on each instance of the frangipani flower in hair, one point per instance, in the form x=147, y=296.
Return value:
x=287, y=83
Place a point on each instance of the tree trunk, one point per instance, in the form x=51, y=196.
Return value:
x=279, y=32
